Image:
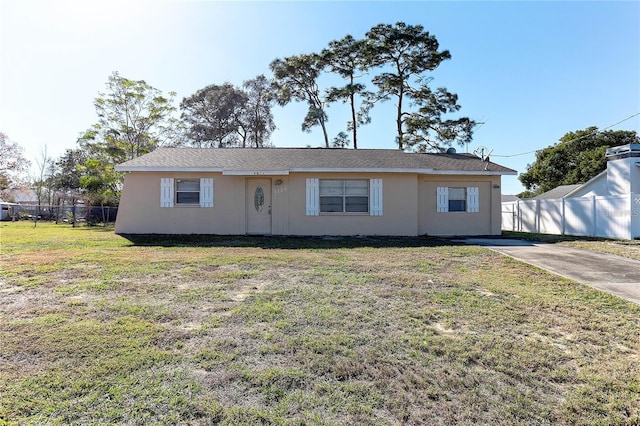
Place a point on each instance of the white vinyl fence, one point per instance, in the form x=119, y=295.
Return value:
x=609, y=217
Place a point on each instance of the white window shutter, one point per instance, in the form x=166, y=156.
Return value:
x=375, y=197
x=443, y=199
x=473, y=202
x=313, y=196
x=206, y=192
x=166, y=192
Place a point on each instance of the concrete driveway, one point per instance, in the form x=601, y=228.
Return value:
x=617, y=275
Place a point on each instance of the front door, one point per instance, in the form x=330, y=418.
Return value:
x=259, y=206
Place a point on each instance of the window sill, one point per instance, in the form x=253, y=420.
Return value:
x=345, y=214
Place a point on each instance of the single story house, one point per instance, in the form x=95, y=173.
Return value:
x=309, y=191
x=21, y=195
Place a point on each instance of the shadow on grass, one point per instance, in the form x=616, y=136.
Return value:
x=288, y=242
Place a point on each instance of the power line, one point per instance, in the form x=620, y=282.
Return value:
x=621, y=121
x=572, y=140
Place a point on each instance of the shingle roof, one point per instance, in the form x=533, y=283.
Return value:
x=506, y=198
x=238, y=160
x=557, y=192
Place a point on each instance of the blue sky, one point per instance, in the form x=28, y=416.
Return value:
x=531, y=71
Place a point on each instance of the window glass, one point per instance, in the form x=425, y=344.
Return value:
x=331, y=204
x=457, y=194
x=357, y=204
x=357, y=187
x=457, y=199
x=188, y=191
x=331, y=187
x=344, y=196
x=188, y=185
x=187, y=197
x=457, y=205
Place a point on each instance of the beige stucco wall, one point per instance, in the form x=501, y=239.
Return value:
x=140, y=212
x=409, y=207
x=400, y=208
x=485, y=222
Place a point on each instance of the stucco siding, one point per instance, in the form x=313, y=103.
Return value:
x=408, y=206
x=399, y=215
x=140, y=211
x=487, y=221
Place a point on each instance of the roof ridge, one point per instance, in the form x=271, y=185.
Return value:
x=318, y=148
x=311, y=159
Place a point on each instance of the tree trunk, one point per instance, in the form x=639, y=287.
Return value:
x=399, y=119
x=354, y=117
x=60, y=200
x=104, y=219
x=324, y=131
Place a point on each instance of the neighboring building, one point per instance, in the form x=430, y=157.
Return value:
x=557, y=192
x=507, y=197
x=309, y=191
x=608, y=205
x=622, y=176
x=24, y=204
x=21, y=195
x=7, y=210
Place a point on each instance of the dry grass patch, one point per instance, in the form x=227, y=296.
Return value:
x=630, y=249
x=302, y=331
x=624, y=248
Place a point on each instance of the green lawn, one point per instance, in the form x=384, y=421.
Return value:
x=97, y=329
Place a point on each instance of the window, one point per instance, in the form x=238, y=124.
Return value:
x=187, y=191
x=344, y=196
x=456, y=199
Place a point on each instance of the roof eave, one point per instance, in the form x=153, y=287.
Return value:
x=475, y=173
x=358, y=170
x=125, y=168
x=255, y=172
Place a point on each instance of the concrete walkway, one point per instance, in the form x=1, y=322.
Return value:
x=617, y=275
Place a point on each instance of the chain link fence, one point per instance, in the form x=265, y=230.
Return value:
x=92, y=215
